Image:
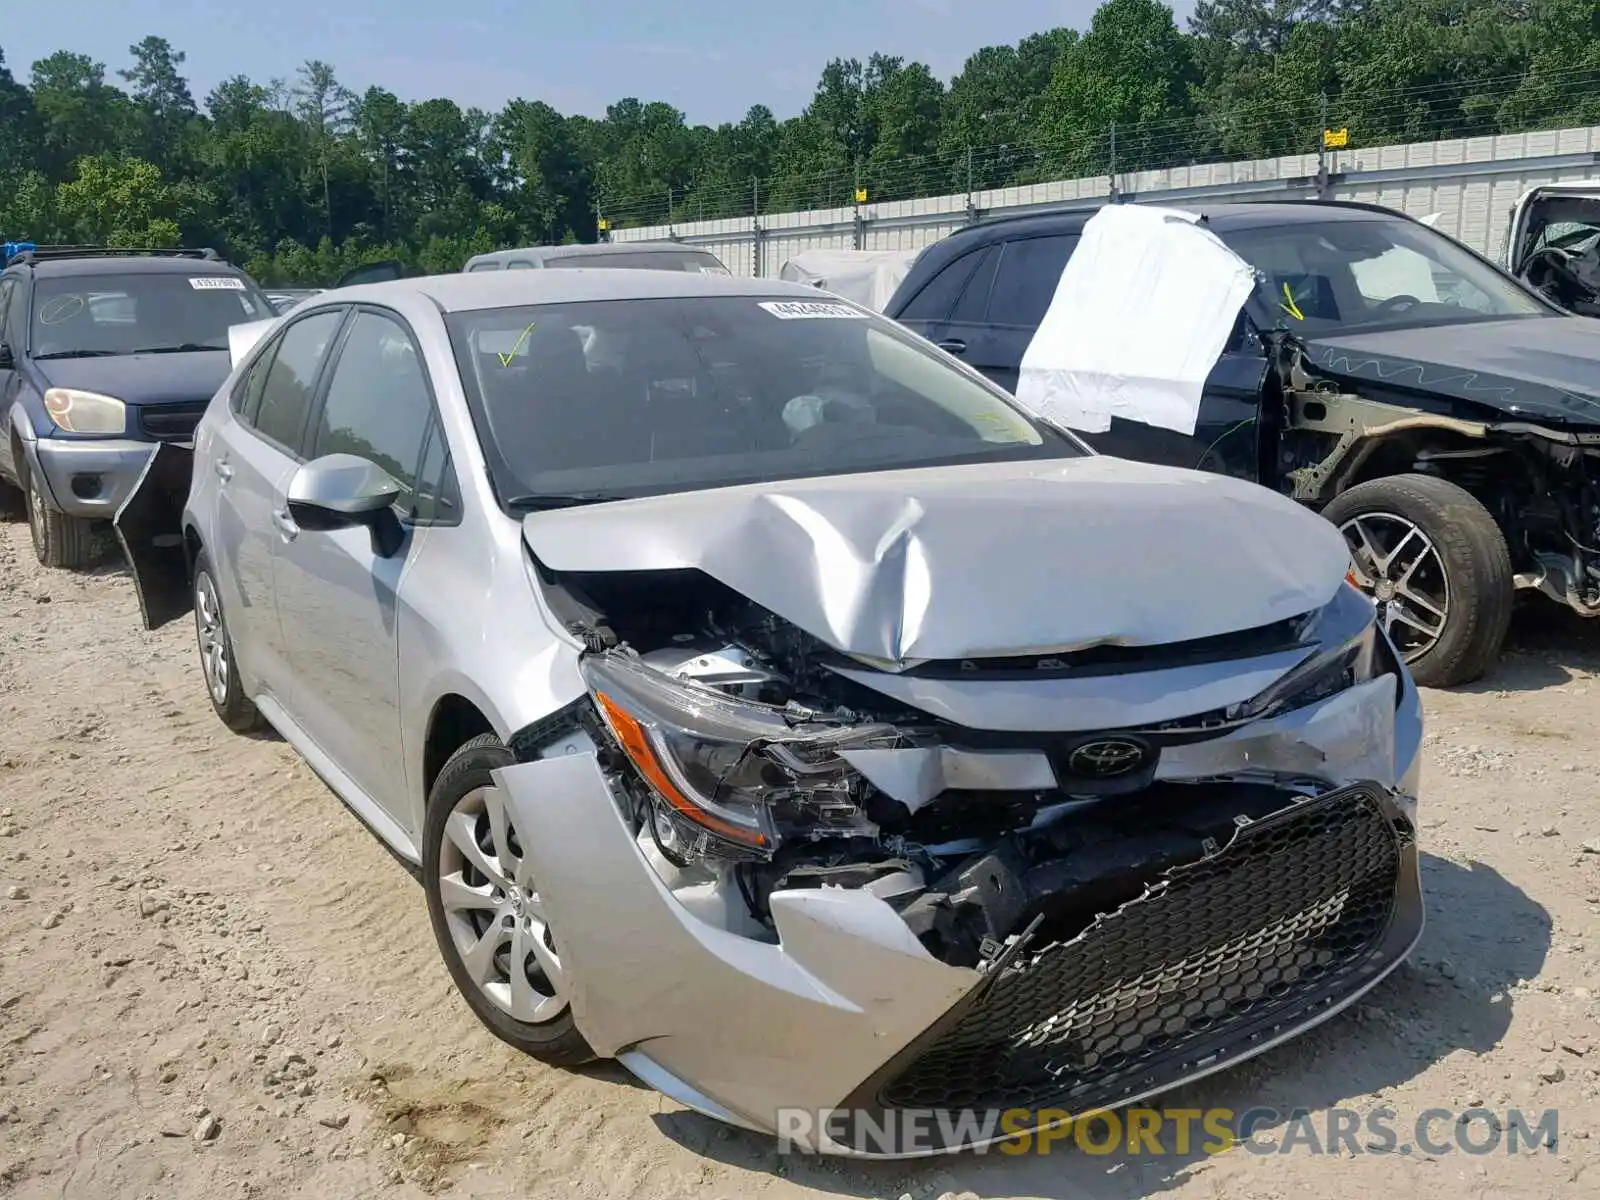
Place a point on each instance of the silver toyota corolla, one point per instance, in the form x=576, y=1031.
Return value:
x=770, y=704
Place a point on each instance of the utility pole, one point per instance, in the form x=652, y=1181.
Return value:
x=1322, y=147
x=1115, y=190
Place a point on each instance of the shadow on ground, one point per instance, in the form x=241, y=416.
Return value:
x=1547, y=646
x=1483, y=936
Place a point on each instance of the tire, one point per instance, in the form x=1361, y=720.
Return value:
x=60, y=541
x=217, y=662
x=1472, y=559
x=462, y=783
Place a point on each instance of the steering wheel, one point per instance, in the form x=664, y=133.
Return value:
x=1396, y=304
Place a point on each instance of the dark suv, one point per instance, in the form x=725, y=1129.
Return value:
x=1443, y=414
x=103, y=354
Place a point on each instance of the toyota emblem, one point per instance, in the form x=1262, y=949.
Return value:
x=1107, y=758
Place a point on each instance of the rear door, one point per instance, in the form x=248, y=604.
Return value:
x=255, y=452
x=1022, y=285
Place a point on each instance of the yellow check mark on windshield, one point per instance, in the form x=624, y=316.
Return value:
x=1288, y=305
x=505, y=359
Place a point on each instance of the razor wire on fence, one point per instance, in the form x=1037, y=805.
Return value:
x=1300, y=124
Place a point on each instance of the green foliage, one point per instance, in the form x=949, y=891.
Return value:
x=302, y=180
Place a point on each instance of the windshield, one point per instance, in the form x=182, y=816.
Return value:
x=79, y=316
x=1322, y=277
x=632, y=397
x=645, y=260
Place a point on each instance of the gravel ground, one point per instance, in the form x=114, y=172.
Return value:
x=215, y=983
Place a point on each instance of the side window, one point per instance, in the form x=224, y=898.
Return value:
x=1026, y=280
x=6, y=286
x=378, y=405
x=938, y=296
x=438, y=500
x=519, y=264
x=973, y=307
x=484, y=266
x=286, y=389
x=246, y=397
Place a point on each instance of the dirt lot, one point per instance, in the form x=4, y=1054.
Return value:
x=215, y=983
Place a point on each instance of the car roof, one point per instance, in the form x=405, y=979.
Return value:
x=1222, y=217
x=132, y=264
x=462, y=291
x=588, y=250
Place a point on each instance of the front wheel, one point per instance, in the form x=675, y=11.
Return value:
x=59, y=540
x=487, y=914
x=1435, y=562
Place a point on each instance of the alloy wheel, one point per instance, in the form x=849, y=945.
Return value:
x=213, y=637
x=494, y=912
x=1398, y=565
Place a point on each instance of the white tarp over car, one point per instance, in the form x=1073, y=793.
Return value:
x=1139, y=318
x=868, y=277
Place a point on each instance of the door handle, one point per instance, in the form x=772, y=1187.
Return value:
x=224, y=471
x=952, y=346
x=285, y=523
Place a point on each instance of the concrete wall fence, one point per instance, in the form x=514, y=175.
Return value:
x=1472, y=183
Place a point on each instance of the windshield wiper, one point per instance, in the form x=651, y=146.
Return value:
x=77, y=354
x=181, y=348
x=542, y=501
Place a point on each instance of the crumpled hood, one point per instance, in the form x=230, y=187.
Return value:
x=142, y=378
x=1532, y=368
x=978, y=561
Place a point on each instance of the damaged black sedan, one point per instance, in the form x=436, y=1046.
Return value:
x=1445, y=415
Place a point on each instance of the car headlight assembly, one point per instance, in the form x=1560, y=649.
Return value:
x=1351, y=651
x=729, y=778
x=72, y=411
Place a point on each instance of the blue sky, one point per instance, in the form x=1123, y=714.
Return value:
x=710, y=58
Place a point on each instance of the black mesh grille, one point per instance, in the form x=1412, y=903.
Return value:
x=171, y=422
x=1295, y=907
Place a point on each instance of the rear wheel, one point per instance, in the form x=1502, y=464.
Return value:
x=58, y=539
x=216, y=654
x=487, y=914
x=1435, y=562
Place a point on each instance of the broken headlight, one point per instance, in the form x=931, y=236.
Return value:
x=729, y=778
x=1350, y=651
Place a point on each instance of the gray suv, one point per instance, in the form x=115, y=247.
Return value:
x=768, y=703
x=105, y=354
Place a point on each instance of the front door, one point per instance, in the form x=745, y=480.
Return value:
x=337, y=597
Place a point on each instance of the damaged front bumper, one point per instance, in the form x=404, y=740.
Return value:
x=846, y=1013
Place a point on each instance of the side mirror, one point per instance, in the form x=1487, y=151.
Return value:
x=7, y=359
x=339, y=491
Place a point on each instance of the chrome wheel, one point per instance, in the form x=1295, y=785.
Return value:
x=214, y=660
x=493, y=911
x=1398, y=565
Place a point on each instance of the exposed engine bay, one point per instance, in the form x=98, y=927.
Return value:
x=1539, y=480
x=784, y=784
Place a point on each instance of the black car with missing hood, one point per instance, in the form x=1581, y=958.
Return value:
x=1443, y=414
x=104, y=354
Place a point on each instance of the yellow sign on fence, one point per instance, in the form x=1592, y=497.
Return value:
x=604, y=224
x=861, y=195
x=1334, y=138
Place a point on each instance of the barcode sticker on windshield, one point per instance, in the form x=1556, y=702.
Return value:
x=220, y=283
x=805, y=310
